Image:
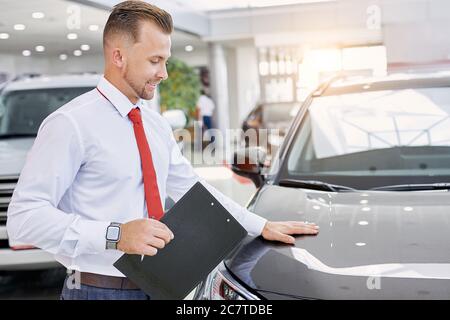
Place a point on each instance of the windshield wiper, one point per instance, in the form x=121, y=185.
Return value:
x=414, y=187
x=17, y=135
x=314, y=185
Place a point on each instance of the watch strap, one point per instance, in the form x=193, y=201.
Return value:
x=112, y=245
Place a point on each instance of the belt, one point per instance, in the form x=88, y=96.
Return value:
x=106, y=282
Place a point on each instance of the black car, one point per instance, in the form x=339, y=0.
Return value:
x=368, y=160
x=270, y=122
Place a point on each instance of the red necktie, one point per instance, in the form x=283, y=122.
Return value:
x=154, y=206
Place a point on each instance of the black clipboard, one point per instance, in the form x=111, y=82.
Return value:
x=205, y=233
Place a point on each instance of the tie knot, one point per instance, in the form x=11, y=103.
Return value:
x=135, y=116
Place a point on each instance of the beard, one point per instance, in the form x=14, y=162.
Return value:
x=138, y=89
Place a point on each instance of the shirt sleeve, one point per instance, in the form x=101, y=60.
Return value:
x=182, y=177
x=51, y=167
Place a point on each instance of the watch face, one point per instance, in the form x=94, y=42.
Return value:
x=113, y=234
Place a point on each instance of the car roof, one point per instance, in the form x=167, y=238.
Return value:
x=343, y=85
x=55, y=81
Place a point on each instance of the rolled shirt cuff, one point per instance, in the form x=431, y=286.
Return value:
x=253, y=223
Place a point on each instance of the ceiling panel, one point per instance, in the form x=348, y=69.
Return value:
x=60, y=18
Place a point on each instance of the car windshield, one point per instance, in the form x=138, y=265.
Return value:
x=22, y=111
x=374, y=138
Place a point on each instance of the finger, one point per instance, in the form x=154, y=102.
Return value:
x=160, y=225
x=149, y=251
x=157, y=243
x=304, y=230
x=306, y=225
x=285, y=238
x=300, y=228
x=152, y=223
x=162, y=234
x=157, y=223
x=295, y=228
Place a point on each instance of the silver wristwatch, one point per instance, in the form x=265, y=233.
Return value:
x=113, y=233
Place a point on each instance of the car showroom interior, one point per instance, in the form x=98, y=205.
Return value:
x=318, y=130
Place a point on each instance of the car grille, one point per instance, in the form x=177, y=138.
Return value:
x=7, y=185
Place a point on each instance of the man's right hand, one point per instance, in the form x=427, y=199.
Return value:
x=144, y=236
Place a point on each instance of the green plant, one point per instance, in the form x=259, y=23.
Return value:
x=182, y=89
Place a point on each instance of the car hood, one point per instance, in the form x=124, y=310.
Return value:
x=371, y=245
x=13, y=153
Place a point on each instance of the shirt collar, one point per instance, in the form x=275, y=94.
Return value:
x=117, y=98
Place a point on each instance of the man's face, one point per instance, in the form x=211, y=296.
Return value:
x=146, y=60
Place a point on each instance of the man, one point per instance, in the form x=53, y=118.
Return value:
x=103, y=162
x=205, y=106
x=205, y=109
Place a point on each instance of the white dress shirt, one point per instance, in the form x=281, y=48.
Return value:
x=84, y=172
x=206, y=106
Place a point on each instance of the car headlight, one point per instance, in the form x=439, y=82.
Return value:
x=221, y=289
x=220, y=285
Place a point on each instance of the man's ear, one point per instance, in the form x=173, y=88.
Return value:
x=118, y=57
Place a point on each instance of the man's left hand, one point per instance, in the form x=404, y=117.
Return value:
x=282, y=231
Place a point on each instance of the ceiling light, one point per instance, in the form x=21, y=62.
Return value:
x=26, y=53
x=63, y=57
x=19, y=27
x=189, y=48
x=408, y=209
x=93, y=27
x=40, y=48
x=364, y=201
x=72, y=36
x=360, y=244
x=4, y=36
x=366, y=209
x=363, y=223
x=37, y=15
x=269, y=3
x=77, y=53
x=85, y=47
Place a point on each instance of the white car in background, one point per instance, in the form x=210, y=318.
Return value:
x=24, y=104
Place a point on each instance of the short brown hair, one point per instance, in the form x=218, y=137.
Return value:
x=127, y=16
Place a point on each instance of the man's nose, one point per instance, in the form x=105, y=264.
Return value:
x=162, y=74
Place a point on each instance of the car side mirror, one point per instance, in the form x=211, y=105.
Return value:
x=176, y=118
x=249, y=162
